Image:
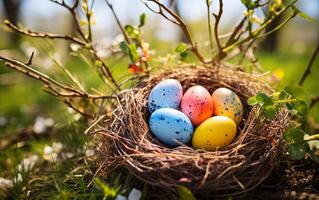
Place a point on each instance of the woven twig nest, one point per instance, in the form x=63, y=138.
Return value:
x=235, y=169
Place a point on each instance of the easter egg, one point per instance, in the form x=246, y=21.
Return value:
x=227, y=103
x=166, y=94
x=197, y=104
x=217, y=131
x=170, y=125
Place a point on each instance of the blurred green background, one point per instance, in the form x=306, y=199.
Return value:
x=33, y=123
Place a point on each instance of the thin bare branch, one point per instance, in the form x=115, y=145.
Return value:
x=209, y=23
x=118, y=21
x=217, y=20
x=56, y=88
x=168, y=14
x=30, y=59
x=34, y=34
x=313, y=102
x=310, y=64
x=78, y=110
x=72, y=10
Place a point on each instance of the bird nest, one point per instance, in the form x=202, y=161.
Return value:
x=235, y=169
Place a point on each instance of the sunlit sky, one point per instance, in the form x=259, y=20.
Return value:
x=34, y=11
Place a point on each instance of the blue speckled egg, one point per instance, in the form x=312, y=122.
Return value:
x=170, y=125
x=166, y=94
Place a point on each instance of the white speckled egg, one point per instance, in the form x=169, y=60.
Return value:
x=166, y=94
x=227, y=103
x=170, y=125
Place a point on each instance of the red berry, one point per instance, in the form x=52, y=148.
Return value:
x=135, y=68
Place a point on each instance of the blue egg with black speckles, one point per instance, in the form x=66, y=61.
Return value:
x=166, y=94
x=170, y=125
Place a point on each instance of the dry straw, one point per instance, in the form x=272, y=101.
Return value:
x=128, y=143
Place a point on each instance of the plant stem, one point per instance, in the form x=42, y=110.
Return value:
x=310, y=64
x=208, y=3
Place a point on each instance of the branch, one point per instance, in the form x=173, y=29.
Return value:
x=72, y=10
x=118, y=21
x=30, y=59
x=208, y=4
x=310, y=64
x=104, y=71
x=43, y=35
x=174, y=18
x=313, y=101
x=256, y=33
x=71, y=105
x=55, y=88
x=217, y=20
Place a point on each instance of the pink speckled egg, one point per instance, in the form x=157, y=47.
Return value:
x=197, y=104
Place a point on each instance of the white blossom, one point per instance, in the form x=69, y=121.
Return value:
x=28, y=163
x=41, y=124
x=5, y=183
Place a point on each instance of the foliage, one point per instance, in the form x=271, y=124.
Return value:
x=299, y=143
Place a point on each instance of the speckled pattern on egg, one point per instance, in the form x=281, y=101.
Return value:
x=197, y=104
x=169, y=125
x=166, y=94
x=227, y=103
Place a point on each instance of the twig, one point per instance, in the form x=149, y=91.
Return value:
x=174, y=18
x=217, y=20
x=255, y=34
x=209, y=23
x=72, y=10
x=310, y=64
x=104, y=72
x=30, y=59
x=71, y=105
x=52, y=85
x=43, y=34
x=118, y=21
x=313, y=102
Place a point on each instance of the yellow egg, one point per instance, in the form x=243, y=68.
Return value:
x=217, y=131
x=227, y=103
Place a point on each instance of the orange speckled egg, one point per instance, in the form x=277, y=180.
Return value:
x=227, y=103
x=197, y=104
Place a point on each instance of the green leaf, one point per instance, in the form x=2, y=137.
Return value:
x=124, y=47
x=283, y=95
x=181, y=47
x=129, y=29
x=107, y=191
x=301, y=107
x=252, y=101
x=304, y=15
x=142, y=20
x=133, y=53
x=249, y=4
x=184, y=55
x=313, y=145
x=294, y=90
x=269, y=111
x=264, y=99
x=185, y=194
x=296, y=151
x=132, y=31
x=294, y=135
x=290, y=106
